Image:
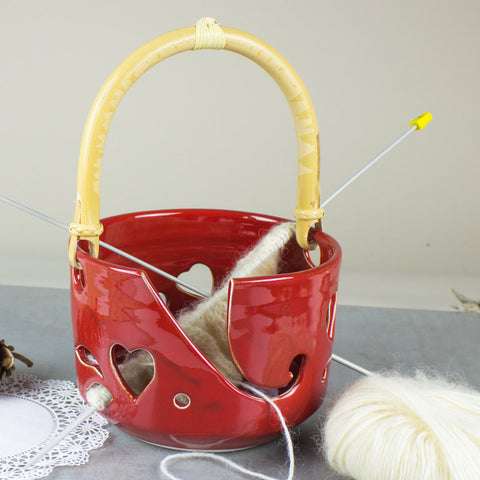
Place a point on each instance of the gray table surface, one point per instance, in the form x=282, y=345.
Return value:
x=37, y=322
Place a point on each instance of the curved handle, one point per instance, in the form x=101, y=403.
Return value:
x=206, y=34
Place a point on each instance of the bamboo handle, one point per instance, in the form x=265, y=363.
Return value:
x=87, y=223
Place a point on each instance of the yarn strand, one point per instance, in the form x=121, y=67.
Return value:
x=181, y=457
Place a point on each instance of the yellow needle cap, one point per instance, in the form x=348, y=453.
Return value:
x=422, y=121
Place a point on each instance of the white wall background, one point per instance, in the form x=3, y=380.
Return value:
x=210, y=129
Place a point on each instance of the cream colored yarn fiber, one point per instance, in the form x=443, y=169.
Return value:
x=206, y=324
x=398, y=428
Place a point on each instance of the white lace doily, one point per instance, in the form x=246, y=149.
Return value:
x=32, y=412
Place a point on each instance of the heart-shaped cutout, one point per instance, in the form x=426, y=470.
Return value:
x=86, y=357
x=199, y=276
x=331, y=316
x=135, y=368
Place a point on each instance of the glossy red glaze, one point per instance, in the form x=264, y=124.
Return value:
x=280, y=328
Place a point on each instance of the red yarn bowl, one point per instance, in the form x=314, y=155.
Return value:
x=280, y=328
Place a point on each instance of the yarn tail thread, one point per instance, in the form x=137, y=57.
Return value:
x=170, y=460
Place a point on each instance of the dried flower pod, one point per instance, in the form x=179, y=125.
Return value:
x=7, y=359
x=467, y=304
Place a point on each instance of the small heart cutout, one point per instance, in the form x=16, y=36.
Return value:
x=331, y=314
x=135, y=368
x=87, y=358
x=199, y=276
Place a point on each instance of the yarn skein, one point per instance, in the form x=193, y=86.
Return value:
x=206, y=323
x=389, y=427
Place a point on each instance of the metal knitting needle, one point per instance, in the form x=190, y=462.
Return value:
x=90, y=410
x=164, y=274
x=351, y=365
x=105, y=245
x=98, y=397
x=418, y=123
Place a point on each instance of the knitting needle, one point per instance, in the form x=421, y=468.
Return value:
x=90, y=410
x=202, y=294
x=61, y=225
x=105, y=245
x=98, y=397
x=351, y=365
x=417, y=124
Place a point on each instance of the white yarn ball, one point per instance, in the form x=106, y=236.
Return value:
x=397, y=428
